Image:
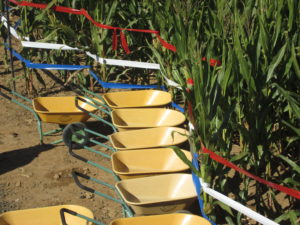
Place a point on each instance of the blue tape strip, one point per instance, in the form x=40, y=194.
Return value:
x=177, y=107
x=45, y=66
x=56, y=67
x=198, y=187
x=18, y=55
x=17, y=24
x=120, y=85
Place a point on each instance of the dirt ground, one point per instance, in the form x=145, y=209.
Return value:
x=34, y=175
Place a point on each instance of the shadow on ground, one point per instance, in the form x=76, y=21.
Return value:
x=17, y=158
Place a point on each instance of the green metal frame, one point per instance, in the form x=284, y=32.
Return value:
x=127, y=211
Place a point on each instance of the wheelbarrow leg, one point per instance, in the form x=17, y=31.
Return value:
x=39, y=125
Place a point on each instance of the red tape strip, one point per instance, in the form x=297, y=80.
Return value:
x=103, y=26
x=217, y=158
x=225, y=162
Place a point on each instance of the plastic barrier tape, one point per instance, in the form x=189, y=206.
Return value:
x=103, y=26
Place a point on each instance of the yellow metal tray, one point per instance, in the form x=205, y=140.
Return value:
x=45, y=216
x=158, y=194
x=138, y=118
x=147, y=162
x=136, y=99
x=61, y=110
x=148, y=138
x=166, y=219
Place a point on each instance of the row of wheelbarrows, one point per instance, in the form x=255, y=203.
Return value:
x=152, y=184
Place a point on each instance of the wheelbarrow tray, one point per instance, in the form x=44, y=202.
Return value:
x=158, y=194
x=125, y=119
x=147, y=162
x=62, y=110
x=148, y=138
x=137, y=99
x=166, y=219
x=45, y=216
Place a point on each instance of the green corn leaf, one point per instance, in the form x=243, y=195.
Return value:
x=290, y=162
x=290, y=215
x=295, y=62
x=183, y=157
x=224, y=207
x=290, y=180
x=275, y=62
x=291, y=14
x=229, y=220
x=239, y=156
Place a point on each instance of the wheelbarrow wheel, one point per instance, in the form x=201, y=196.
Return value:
x=75, y=135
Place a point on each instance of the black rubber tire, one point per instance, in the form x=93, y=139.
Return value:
x=70, y=137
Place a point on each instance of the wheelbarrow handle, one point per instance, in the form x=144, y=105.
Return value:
x=4, y=95
x=5, y=88
x=75, y=176
x=93, y=103
x=13, y=93
x=62, y=215
x=72, y=153
x=92, y=114
x=73, y=213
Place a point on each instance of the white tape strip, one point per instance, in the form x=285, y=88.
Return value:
x=237, y=206
x=12, y=30
x=30, y=44
x=172, y=83
x=113, y=62
x=118, y=62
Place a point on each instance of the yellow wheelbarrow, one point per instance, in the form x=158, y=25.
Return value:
x=166, y=219
x=148, y=138
x=135, y=140
x=137, y=118
x=175, y=192
x=78, y=215
x=147, y=162
x=46, y=216
x=141, y=196
x=137, y=99
x=62, y=110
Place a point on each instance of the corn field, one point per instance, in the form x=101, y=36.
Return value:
x=242, y=61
